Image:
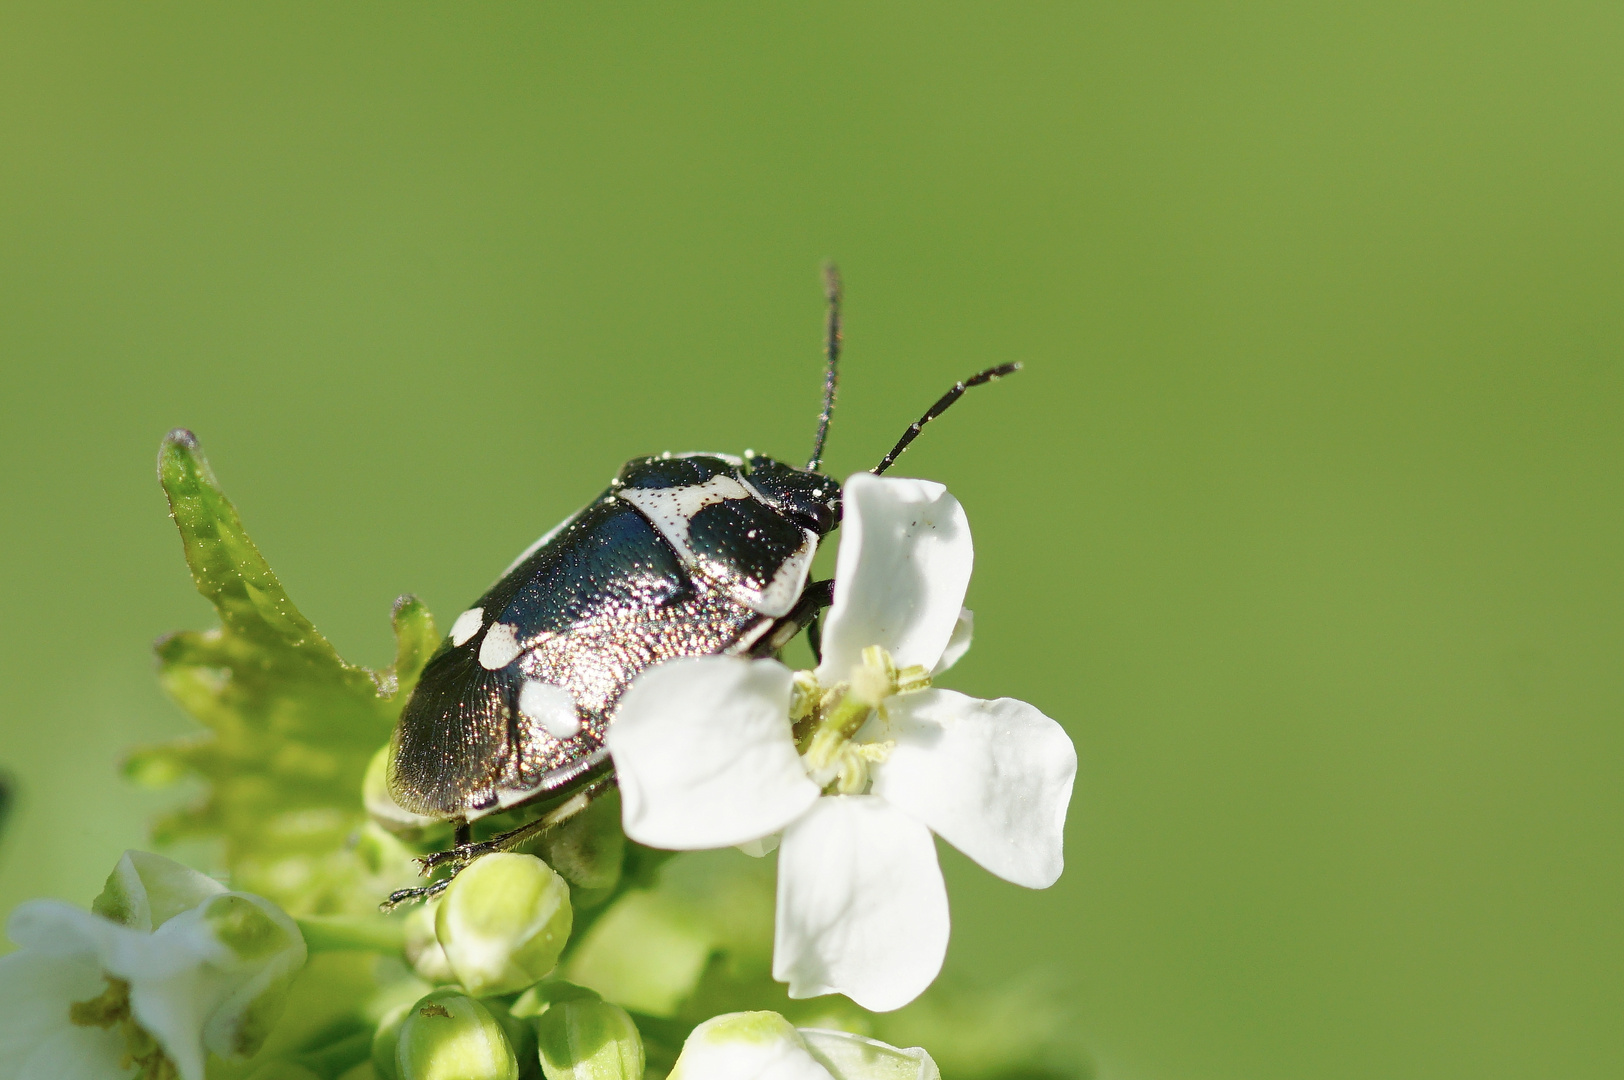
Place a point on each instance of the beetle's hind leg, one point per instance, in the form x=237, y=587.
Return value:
x=466, y=850
x=414, y=896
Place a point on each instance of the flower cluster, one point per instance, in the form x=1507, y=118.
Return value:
x=592, y=952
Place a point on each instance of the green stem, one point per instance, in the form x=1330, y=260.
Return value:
x=372, y=933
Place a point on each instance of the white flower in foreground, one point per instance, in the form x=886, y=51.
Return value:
x=763, y=1046
x=856, y=763
x=169, y=965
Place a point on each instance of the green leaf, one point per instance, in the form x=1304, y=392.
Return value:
x=290, y=725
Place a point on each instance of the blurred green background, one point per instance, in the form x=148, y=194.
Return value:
x=1304, y=518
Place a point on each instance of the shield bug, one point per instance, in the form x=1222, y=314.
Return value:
x=683, y=555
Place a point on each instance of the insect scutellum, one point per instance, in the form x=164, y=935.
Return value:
x=683, y=555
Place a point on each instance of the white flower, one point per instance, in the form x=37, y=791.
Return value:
x=856, y=763
x=763, y=1046
x=168, y=966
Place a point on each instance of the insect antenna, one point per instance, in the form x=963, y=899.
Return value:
x=941, y=406
x=831, y=363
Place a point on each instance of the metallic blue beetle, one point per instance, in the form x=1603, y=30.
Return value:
x=684, y=555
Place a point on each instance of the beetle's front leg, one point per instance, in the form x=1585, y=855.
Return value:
x=814, y=598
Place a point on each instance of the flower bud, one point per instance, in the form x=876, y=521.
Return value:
x=579, y=1036
x=381, y=806
x=521, y=1037
x=384, y=1041
x=448, y=1035
x=144, y=891
x=764, y=1046
x=503, y=922
x=746, y=1046
x=423, y=950
x=589, y=847
x=255, y=949
x=855, y=1057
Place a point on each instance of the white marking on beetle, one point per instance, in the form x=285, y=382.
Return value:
x=500, y=647
x=466, y=626
x=671, y=509
x=751, y=635
x=785, y=587
x=550, y=706
x=732, y=459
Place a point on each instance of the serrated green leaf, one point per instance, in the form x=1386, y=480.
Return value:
x=291, y=726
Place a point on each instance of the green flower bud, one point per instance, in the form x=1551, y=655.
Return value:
x=423, y=950
x=579, y=1036
x=543, y=996
x=520, y=1035
x=260, y=950
x=384, y=1041
x=381, y=806
x=747, y=1044
x=449, y=1036
x=144, y=891
x=247, y=928
x=588, y=848
x=855, y=1057
x=503, y=922
x=765, y=1046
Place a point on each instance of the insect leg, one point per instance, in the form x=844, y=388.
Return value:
x=466, y=851
x=814, y=598
x=814, y=635
x=414, y=896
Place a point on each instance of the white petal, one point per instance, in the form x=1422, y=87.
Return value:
x=959, y=644
x=904, y=565
x=705, y=755
x=97, y=1054
x=259, y=949
x=57, y=928
x=169, y=992
x=857, y=1057
x=173, y=1010
x=992, y=778
x=746, y=1046
x=862, y=909
x=37, y=1040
